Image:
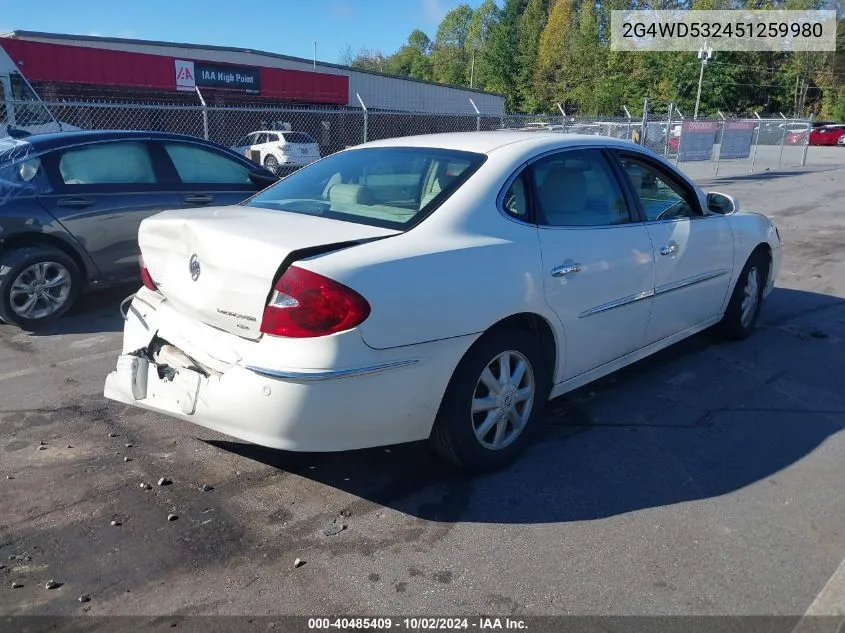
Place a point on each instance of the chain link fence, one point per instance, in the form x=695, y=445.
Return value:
x=768, y=143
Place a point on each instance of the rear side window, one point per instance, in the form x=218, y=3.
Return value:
x=124, y=163
x=297, y=137
x=577, y=188
x=198, y=165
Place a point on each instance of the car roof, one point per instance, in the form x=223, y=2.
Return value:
x=52, y=140
x=487, y=142
x=276, y=132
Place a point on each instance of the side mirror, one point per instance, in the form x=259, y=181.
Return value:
x=722, y=203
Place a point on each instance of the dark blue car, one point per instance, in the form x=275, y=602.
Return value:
x=71, y=203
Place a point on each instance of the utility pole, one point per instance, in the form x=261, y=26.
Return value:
x=472, y=69
x=315, y=54
x=705, y=53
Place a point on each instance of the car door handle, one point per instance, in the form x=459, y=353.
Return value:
x=670, y=249
x=75, y=202
x=563, y=271
x=200, y=198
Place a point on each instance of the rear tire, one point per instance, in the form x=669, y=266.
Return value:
x=38, y=284
x=271, y=163
x=485, y=420
x=740, y=318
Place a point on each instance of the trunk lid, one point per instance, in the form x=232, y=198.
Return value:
x=218, y=264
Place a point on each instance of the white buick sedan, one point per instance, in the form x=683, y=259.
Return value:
x=438, y=287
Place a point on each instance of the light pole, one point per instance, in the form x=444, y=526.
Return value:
x=705, y=53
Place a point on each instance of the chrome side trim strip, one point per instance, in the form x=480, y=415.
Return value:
x=690, y=281
x=304, y=376
x=618, y=303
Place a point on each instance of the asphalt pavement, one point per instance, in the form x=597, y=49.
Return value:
x=707, y=479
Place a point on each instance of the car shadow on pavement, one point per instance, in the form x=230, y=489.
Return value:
x=728, y=179
x=94, y=313
x=701, y=419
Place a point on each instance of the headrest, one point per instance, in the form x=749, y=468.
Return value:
x=350, y=194
x=564, y=189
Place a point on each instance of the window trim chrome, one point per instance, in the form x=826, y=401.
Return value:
x=618, y=303
x=690, y=281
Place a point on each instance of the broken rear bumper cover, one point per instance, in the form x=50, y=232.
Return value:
x=374, y=402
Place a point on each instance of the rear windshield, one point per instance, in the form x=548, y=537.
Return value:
x=391, y=187
x=297, y=137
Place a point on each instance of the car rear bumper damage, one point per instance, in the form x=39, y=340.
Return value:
x=387, y=400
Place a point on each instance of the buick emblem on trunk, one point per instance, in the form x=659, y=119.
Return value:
x=194, y=267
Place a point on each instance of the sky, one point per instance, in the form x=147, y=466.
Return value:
x=288, y=27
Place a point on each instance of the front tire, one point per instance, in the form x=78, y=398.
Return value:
x=38, y=284
x=743, y=311
x=496, y=398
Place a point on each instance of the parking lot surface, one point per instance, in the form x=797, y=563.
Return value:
x=705, y=480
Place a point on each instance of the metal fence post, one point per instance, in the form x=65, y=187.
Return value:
x=628, y=130
x=782, y=142
x=477, y=118
x=366, y=115
x=562, y=117
x=807, y=141
x=204, y=113
x=668, y=130
x=644, y=131
x=756, y=142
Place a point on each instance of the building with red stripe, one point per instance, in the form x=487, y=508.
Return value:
x=71, y=67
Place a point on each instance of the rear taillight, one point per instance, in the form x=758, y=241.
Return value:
x=145, y=274
x=305, y=304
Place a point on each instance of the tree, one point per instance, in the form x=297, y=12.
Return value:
x=419, y=40
x=412, y=58
x=500, y=55
x=366, y=59
x=529, y=30
x=484, y=18
x=449, y=58
x=552, y=77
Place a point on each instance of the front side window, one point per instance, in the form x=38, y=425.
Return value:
x=198, y=165
x=393, y=187
x=577, y=188
x=124, y=163
x=660, y=197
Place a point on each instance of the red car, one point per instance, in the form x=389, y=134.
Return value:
x=827, y=134
x=796, y=137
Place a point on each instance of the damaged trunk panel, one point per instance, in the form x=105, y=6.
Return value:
x=195, y=258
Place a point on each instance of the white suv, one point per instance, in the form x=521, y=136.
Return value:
x=274, y=149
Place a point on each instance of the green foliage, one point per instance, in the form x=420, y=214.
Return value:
x=539, y=53
x=450, y=57
x=500, y=55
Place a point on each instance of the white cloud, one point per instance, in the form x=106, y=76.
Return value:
x=432, y=11
x=341, y=9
